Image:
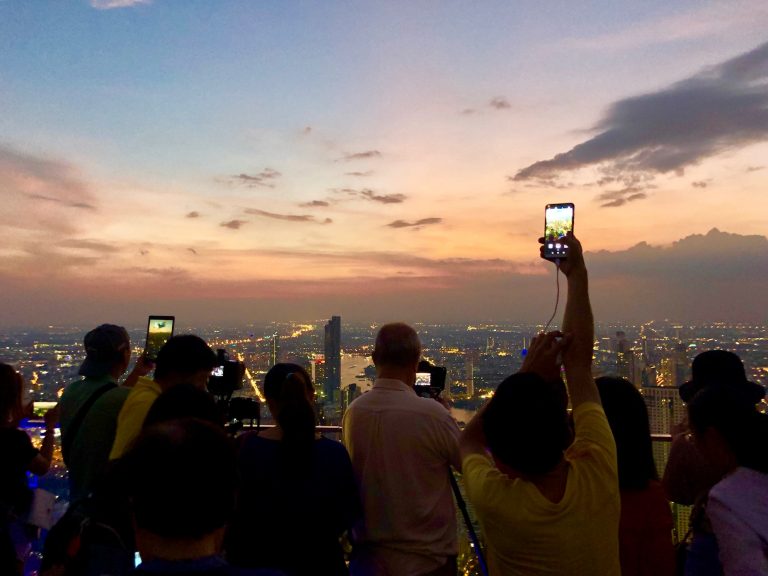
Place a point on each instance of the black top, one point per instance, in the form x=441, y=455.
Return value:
x=207, y=566
x=292, y=522
x=16, y=454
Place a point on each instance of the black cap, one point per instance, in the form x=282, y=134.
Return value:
x=722, y=368
x=103, y=348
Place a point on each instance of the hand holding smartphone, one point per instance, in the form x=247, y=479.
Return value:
x=558, y=221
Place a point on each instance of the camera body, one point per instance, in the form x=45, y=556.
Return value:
x=430, y=380
x=226, y=376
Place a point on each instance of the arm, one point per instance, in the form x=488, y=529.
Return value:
x=579, y=324
x=42, y=462
x=472, y=438
x=142, y=367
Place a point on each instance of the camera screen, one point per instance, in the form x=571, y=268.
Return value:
x=423, y=379
x=558, y=221
x=218, y=371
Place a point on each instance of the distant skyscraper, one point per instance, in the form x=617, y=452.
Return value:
x=348, y=395
x=665, y=408
x=469, y=372
x=274, y=351
x=332, y=357
x=623, y=354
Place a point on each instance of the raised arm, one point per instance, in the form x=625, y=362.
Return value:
x=579, y=324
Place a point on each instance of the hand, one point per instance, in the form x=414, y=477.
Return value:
x=575, y=260
x=51, y=417
x=545, y=355
x=143, y=366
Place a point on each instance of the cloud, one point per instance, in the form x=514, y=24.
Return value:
x=54, y=191
x=287, y=217
x=368, y=154
x=315, y=204
x=700, y=184
x=722, y=108
x=89, y=245
x=468, y=112
x=615, y=198
x=755, y=168
x=370, y=195
x=265, y=179
x=415, y=224
x=360, y=174
x=233, y=224
x=192, y=250
x=307, y=130
x=382, y=198
x=193, y=214
x=500, y=103
x=112, y=4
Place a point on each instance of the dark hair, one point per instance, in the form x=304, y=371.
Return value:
x=287, y=385
x=10, y=390
x=730, y=411
x=184, y=401
x=526, y=423
x=628, y=417
x=186, y=354
x=181, y=478
x=397, y=344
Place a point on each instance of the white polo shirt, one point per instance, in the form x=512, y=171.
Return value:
x=401, y=446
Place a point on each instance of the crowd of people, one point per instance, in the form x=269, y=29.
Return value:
x=153, y=471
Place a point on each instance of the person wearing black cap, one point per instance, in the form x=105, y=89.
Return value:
x=89, y=406
x=689, y=476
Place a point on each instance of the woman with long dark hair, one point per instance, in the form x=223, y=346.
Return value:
x=645, y=526
x=298, y=494
x=17, y=457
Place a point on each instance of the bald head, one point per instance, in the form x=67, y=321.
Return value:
x=397, y=346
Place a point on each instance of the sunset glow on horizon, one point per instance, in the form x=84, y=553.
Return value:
x=241, y=161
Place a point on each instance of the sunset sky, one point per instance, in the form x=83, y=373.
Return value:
x=250, y=161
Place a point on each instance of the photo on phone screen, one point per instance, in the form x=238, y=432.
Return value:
x=423, y=379
x=558, y=221
x=159, y=330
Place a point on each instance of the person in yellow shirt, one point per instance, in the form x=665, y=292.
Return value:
x=547, y=497
x=184, y=359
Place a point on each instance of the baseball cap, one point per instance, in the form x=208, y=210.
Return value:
x=103, y=346
x=723, y=368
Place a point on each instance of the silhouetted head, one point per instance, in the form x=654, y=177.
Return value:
x=290, y=396
x=11, y=384
x=184, y=359
x=107, y=351
x=628, y=417
x=184, y=401
x=714, y=367
x=397, y=349
x=526, y=423
x=182, y=479
x=729, y=430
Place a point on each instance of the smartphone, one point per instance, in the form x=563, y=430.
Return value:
x=558, y=221
x=159, y=331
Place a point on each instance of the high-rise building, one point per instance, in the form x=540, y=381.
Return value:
x=665, y=408
x=469, y=372
x=332, y=383
x=348, y=395
x=274, y=350
x=623, y=354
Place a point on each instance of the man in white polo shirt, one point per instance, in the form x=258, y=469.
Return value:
x=401, y=447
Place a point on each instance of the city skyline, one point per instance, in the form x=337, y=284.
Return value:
x=242, y=162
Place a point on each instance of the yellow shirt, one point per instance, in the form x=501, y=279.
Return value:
x=132, y=415
x=528, y=534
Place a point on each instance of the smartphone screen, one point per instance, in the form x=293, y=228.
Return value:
x=423, y=379
x=558, y=221
x=159, y=330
